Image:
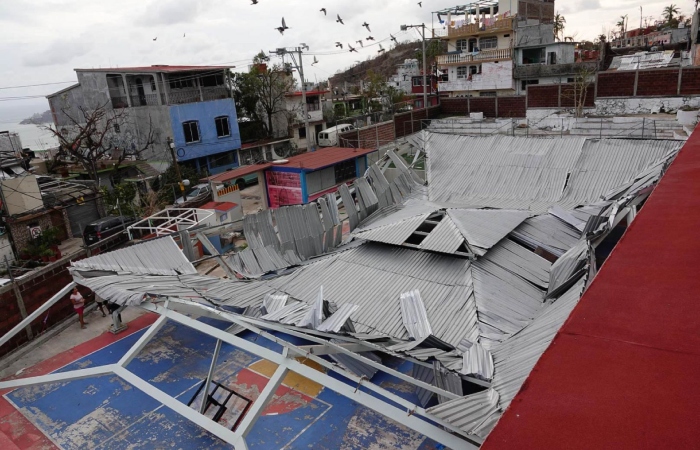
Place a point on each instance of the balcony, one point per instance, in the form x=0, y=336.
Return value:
x=483, y=56
x=175, y=97
x=478, y=82
x=473, y=29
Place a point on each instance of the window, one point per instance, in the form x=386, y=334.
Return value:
x=191, y=130
x=551, y=58
x=153, y=84
x=116, y=128
x=302, y=133
x=525, y=83
x=461, y=44
x=212, y=80
x=418, y=81
x=461, y=72
x=487, y=43
x=345, y=171
x=473, y=70
x=222, y=128
x=488, y=94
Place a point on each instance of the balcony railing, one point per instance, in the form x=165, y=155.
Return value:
x=486, y=55
x=146, y=100
x=473, y=29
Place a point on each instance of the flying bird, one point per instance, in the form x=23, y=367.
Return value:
x=323, y=10
x=255, y=2
x=381, y=49
x=420, y=4
x=360, y=42
x=284, y=24
x=393, y=38
x=352, y=49
x=370, y=38
x=339, y=20
x=315, y=61
x=155, y=38
x=366, y=25
x=338, y=44
x=280, y=29
x=184, y=34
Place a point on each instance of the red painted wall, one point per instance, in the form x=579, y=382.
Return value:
x=284, y=188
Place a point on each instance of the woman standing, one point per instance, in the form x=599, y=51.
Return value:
x=79, y=306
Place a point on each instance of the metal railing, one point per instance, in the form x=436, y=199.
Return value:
x=472, y=29
x=484, y=55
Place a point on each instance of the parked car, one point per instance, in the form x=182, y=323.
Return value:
x=199, y=190
x=247, y=180
x=106, y=227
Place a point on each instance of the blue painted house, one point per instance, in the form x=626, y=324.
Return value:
x=189, y=104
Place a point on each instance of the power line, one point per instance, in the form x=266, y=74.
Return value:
x=33, y=85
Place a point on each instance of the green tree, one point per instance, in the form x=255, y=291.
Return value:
x=260, y=93
x=165, y=185
x=621, y=24
x=121, y=198
x=559, y=25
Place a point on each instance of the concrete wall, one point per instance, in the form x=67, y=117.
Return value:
x=204, y=113
x=672, y=82
x=21, y=195
x=494, y=76
x=10, y=142
x=491, y=106
x=534, y=35
x=557, y=96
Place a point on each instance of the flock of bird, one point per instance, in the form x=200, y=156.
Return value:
x=339, y=20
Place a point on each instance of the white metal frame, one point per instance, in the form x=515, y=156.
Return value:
x=412, y=416
x=169, y=221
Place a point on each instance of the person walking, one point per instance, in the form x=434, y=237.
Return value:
x=79, y=306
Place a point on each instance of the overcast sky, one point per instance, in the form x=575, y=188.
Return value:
x=42, y=41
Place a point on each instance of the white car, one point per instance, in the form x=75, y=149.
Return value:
x=199, y=190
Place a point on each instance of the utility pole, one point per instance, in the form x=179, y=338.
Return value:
x=171, y=146
x=425, y=69
x=299, y=65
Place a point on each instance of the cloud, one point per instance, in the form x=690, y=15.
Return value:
x=59, y=52
x=170, y=12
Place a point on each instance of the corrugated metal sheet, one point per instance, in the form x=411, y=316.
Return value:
x=478, y=362
x=468, y=413
x=484, y=228
x=547, y=232
x=337, y=321
x=413, y=314
x=569, y=268
x=515, y=358
x=396, y=233
x=520, y=261
x=350, y=206
x=532, y=174
x=448, y=381
x=444, y=238
x=274, y=302
x=314, y=316
x=354, y=365
x=154, y=257
x=427, y=375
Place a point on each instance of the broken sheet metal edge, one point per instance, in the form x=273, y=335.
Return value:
x=547, y=232
x=337, y=320
x=569, y=268
x=485, y=228
x=444, y=238
x=413, y=314
x=160, y=256
x=468, y=412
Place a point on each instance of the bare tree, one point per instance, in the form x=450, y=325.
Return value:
x=92, y=136
x=579, y=90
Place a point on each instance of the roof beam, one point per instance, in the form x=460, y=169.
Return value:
x=59, y=377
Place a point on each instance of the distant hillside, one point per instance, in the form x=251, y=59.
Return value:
x=38, y=118
x=384, y=64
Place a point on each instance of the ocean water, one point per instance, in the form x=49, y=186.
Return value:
x=32, y=136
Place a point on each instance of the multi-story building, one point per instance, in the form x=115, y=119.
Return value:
x=480, y=40
x=541, y=59
x=189, y=104
x=405, y=72
x=653, y=36
x=315, y=99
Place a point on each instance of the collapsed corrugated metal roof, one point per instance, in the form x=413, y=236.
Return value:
x=532, y=174
x=154, y=257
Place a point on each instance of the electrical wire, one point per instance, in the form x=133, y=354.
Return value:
x=34, y=85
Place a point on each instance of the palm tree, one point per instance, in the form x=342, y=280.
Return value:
x=670, y=11
x=621, y=24
x=559, y=23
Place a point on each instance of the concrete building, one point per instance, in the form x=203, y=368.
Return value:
x=315, y=99
x=189, y=104
x=655, y=35
x=481, y=38
x=405, y=72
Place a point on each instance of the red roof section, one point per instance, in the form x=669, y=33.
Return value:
x=623, y=371
x=219, y=206
x=158, y=69
x=308, y=161
x=298, y=93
